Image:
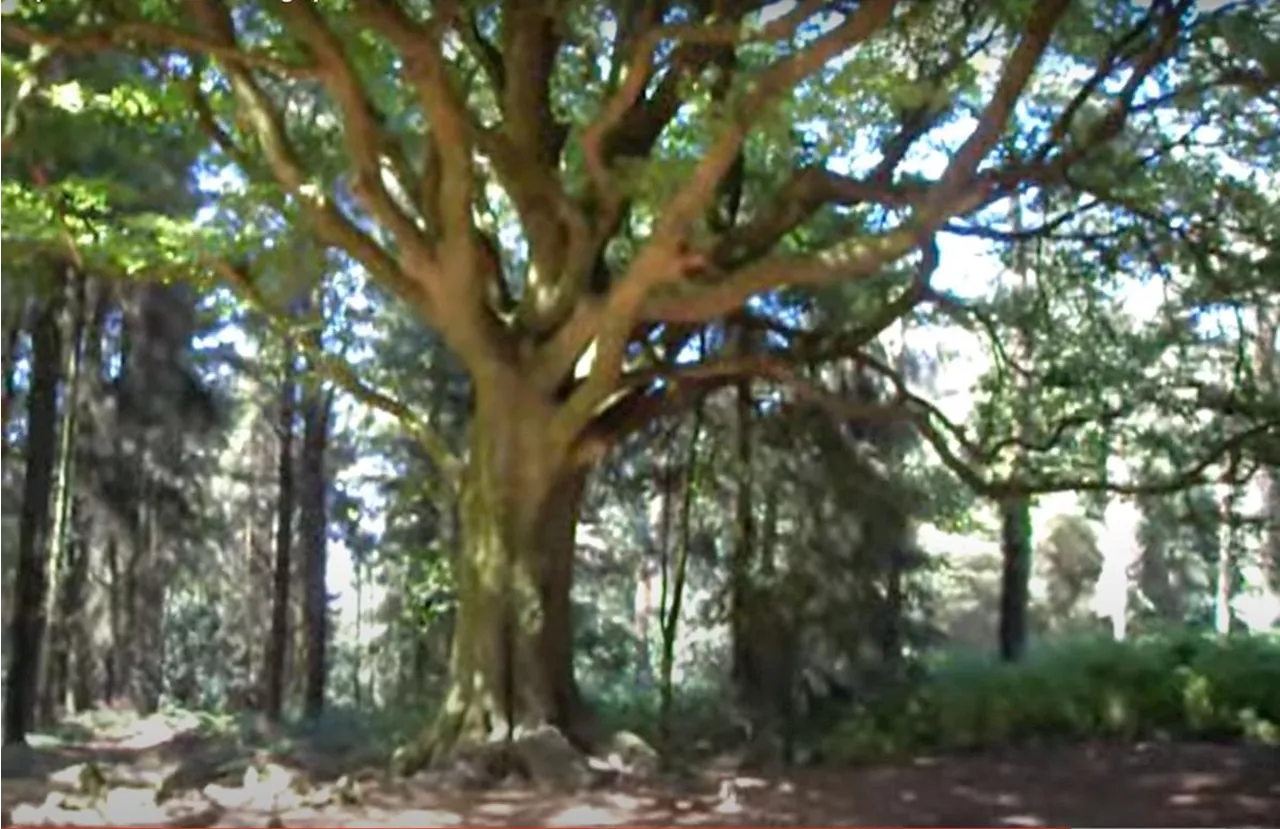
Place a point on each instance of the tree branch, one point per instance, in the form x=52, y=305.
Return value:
x=959, y=190
x=125, y=33
x=466, y=324
x=365, y=138
x=663, y=259
x=265, y=122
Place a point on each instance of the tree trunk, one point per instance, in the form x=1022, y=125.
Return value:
x=314, y=520
x=1268, y=317
x=1228, y=541
x=746, y=674
x=1015, y=515
x=511, y=666
x=670, y=619
x=55, y=657
x=1015, y=512
x=27, y=627
x=278, y=643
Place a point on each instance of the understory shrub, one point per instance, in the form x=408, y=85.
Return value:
x=1181, y=685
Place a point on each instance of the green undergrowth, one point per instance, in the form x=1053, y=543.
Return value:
x=1181, y=686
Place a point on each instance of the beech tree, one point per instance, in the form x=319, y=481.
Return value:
x=661, y=161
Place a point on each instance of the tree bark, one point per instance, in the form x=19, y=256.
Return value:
x=1015, y=512
x=1015, y=515
x=745, y=671
x=512, y=653
x=314, y=520
x=285, y=498
x=27, y=627
x=59, y=604
x=671, y=609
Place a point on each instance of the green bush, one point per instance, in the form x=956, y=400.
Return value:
x=1171, y=685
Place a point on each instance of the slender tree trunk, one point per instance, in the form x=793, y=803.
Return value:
x=55, y=656
x=1015, y=512
x=1268, y=320
x=277, y=645
x=114, y=684
x=671, y=610
x=77, y=603
x=1228, y=539
x=89, y=640
x=512, y=653
x=1015, y=515
x=27, y=626
x=745, y=671
x=145, y=608
x=314, y=520
x=357, y=666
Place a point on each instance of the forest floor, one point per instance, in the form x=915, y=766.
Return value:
x=156, y=773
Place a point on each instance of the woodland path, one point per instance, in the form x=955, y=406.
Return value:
x=1153, y=784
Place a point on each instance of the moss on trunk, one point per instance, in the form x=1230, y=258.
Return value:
x=511, y=669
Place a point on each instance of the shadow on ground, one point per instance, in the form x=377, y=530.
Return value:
x=1151, y=784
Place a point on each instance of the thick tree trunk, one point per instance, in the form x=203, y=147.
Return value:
x=27, y=628
x=511, y=667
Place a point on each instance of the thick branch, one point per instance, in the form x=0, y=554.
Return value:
x=639, y=71
x=265, y=122
x=663, y=259
x=465, y=323
x=365, y=137
x=124, y=34
x=958, y=191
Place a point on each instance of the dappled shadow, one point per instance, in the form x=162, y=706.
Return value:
x=1144, y=785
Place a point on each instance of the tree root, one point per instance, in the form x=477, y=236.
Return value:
x=540, y=755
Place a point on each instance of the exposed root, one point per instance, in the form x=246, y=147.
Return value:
x=540, y=755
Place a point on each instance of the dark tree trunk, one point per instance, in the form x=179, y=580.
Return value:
x=314, y=521
x=672, y=606
x=277, y=645
x=745, y=670
x=1015, y=514
x=82, y=668
x=27, y=627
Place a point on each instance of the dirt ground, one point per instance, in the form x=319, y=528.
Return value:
x=1152, y=784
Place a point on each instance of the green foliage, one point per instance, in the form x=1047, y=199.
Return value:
x=1165, y=686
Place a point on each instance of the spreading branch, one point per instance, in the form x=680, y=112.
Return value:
x=365, y=137
x=267, y=125
x=663, y=258
x=958, y=191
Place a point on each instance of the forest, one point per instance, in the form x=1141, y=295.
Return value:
x=647, y=412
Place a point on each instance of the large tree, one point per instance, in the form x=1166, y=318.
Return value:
x=671, y=166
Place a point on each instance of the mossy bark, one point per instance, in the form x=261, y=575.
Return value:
x=512, y=658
